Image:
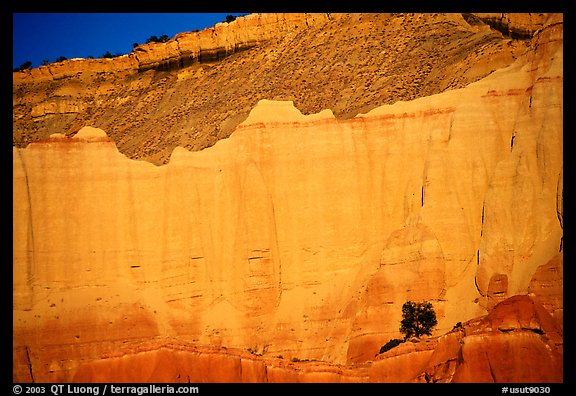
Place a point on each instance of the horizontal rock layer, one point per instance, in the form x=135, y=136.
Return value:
x=299, y=235
x=208, y=45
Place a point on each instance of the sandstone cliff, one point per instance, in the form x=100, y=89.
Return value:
x=300, y=235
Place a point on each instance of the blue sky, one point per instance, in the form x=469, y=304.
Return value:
x=48, y=36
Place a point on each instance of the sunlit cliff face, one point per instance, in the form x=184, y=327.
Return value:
x=299, y=238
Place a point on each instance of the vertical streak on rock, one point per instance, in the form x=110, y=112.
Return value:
x=277, y=253
x=482, y=223
x=476, y=277
x=133, y=218
x=29, y=363
x=559, y=200
x=450, y=127
x=476, y=283
x=560, y=205
x=422, y=194
x=490, y=367
x=30, y=261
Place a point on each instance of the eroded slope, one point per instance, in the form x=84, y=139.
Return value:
x=349, y=63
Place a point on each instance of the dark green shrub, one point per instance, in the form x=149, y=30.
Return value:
x=417, y=319
x=152, y=39
x=24, y=66
x=390, y=344
x=155, y=39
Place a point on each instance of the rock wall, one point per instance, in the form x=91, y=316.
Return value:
x=299, y=235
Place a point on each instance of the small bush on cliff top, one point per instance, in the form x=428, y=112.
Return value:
x=24, y=66
x=417, y=319
x=155, y=39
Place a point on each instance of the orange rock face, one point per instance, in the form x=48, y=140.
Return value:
x=302, y=236
x=530, y=350
x=479, y=351
x=547, y=287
